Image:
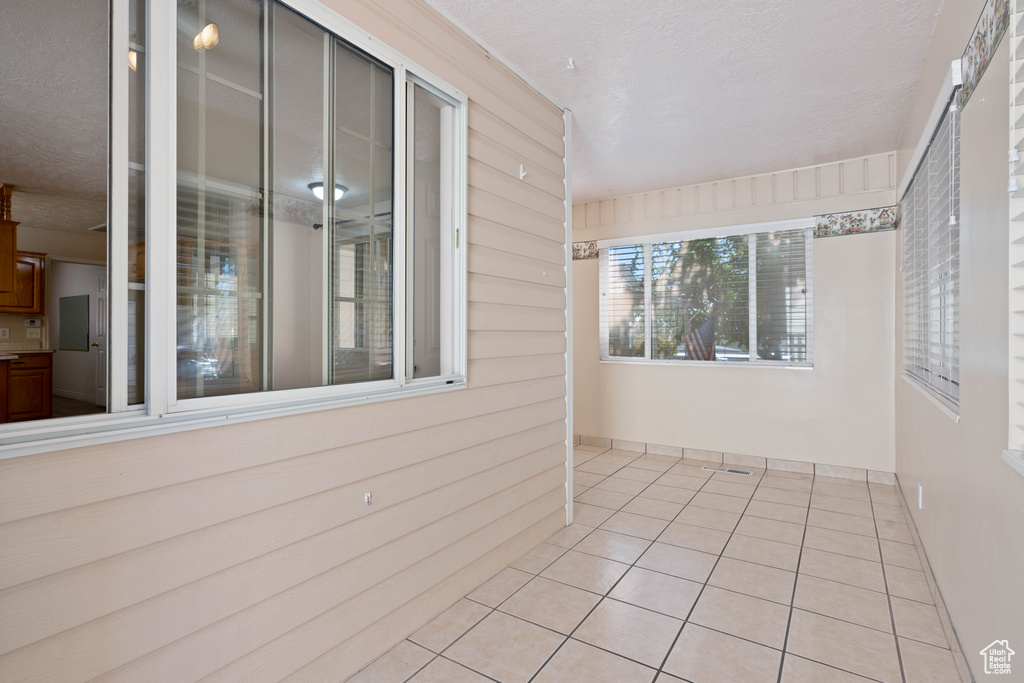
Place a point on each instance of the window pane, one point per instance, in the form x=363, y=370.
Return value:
x=219, y=300
x=220, y=253
x=136, y=201
x=624, y=301
x=362, y=254
x=55, y=98
x=297, y=216
x=700, y=296
x=782, y=296
x=424, y=236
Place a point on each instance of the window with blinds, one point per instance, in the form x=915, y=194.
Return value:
x=732, y=298
x=930, y=210
x=623, y=301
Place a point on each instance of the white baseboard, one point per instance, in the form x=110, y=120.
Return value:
x=64, y=393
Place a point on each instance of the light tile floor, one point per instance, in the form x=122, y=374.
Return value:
x=675, y=573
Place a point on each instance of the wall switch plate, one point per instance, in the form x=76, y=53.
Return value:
x=5, y=333
x=33, y=322
x=33, y=333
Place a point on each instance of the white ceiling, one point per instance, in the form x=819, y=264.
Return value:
x=664, y=93
x=674, y=92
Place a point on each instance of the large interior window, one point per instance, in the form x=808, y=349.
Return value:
x=286, y=239
x=302, y=234
x=731, y=298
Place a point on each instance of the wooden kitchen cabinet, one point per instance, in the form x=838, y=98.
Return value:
x=27, y=297
x=29, y=387
x=8, y=241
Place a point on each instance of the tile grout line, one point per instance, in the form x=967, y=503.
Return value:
x=633, y=564
x=493, y=609
x=602, y=597
x=796, y=580
x=888, y=595
x=649, y=543
x=700, y=593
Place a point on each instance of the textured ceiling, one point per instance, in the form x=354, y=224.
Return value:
x=664, y=93
x=674, y=92
x=53, y=112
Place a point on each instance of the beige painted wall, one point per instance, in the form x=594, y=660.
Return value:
x=970, y=523
x=838, y=413
x=246, y=552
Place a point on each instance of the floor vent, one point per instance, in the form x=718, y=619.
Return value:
x=745, y=473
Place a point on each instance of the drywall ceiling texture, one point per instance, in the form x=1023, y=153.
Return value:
x=667, y=93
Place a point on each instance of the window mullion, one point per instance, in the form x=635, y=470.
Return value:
x=648, y=313
x=267, y=185
x=117, y=265
x=327, y=212
x=752, y=294
x=403, y=164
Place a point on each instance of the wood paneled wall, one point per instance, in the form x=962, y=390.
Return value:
x=246, y=552
x=848, y=185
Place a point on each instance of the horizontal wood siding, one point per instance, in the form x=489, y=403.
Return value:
x=247, y=552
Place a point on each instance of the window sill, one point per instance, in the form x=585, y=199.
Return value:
x=708, y=363
x=43, y=436
x=1015, y=459
x=945, y=406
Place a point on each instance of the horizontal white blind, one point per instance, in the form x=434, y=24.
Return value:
x=622, y=301
x=732, y=298
x=931, y=263
x=783, y=288
x=698, y=280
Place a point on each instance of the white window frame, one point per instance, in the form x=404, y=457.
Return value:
x=162, y=411
x=749, y=229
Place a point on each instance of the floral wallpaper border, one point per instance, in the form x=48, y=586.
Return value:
x=856, y=222
x=990, y=29
x=584, y=250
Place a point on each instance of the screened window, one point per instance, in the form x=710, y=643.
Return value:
x=289, y=176
x=930, y=210
x=731, y=298
x=283, y=202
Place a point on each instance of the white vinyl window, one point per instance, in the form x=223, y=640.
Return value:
x=286, y=209
x=930, y=210
x=739, y=295
x=283, y=283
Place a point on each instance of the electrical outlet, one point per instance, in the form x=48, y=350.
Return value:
x=33, y=322
x=5, y=333
x=920, y=497
x=33, y=333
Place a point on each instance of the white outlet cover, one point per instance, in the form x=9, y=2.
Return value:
x=5, y=333
x=33, y=333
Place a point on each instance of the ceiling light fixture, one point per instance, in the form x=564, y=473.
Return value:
x=206, y=39
x=318, y=190
x=133, y=60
